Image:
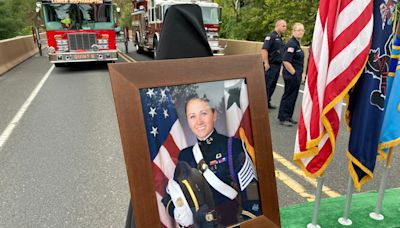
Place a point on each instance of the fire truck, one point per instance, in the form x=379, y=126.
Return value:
x=79, y=30
x=148, y=16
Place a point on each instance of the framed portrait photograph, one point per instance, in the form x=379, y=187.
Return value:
x=196, y=141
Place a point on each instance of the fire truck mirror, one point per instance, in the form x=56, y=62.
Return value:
x=220, y=15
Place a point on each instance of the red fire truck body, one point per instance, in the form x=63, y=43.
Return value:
x=148, y=17
x=79, y=30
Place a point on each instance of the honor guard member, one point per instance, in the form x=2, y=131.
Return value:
x=224, y=163
x=271, y=54
x=293, y=61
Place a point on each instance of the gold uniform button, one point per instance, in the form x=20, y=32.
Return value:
x=179, y=202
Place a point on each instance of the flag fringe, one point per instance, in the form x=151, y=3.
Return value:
x=319, y=172
x=386, y=145
x=357, y=182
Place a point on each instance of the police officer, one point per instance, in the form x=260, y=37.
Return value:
x=271, y=54
x=224, y=164
x=293, y=60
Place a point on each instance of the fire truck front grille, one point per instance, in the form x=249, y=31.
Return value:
x=81, y=41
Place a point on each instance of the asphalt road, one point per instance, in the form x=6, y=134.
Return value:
x=62, y=163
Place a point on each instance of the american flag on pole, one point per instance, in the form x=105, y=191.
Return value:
x=238, y=113
x=166, y=139
x=340, y=46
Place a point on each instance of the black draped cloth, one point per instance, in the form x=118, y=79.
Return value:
x=183, y=34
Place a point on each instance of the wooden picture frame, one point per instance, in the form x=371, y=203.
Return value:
x=128, y=78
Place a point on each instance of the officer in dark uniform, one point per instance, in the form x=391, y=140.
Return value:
x=293, y=61
x=271, y=53
x=226, y=158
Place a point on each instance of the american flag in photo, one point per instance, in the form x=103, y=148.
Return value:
x=165, y=137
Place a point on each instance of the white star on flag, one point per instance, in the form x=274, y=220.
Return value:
x=152, y=112
x=165, y=113
x=150, y=92
x=163, y=95
x=154, y=131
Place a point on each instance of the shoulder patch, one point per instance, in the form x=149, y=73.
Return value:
x=290, y=49
x=267, y=38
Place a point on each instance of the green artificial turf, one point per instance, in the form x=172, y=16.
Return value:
x=332, y=208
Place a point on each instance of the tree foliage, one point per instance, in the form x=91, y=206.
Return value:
x=253, y=19
x=16, y=17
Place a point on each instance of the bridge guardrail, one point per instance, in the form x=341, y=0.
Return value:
x=16, y=50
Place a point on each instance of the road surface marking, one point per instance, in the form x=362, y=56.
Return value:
x=14, y=122
x=329, y=192
x=294, y=185
x=126, y=57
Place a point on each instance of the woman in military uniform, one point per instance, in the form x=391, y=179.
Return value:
x=224, y=164
x=293, y=60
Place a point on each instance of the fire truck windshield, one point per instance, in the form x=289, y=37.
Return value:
x=210, y=15
x=78, y=16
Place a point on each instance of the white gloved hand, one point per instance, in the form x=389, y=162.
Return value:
x=183, y=217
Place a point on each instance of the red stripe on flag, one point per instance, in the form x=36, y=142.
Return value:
x=341, y=81
x=302, y=133
x=245, y=123
x=347, y=36
x=172, y=148
x=344, y=4
x=319, y=160
x=160, y=180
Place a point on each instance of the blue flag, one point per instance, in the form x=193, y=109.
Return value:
x=367, y=98
x=390, y=132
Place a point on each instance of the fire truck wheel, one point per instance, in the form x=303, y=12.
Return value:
x=138, y=48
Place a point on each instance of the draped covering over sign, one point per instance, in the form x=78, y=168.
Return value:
x=367, y=98
x=340, y=47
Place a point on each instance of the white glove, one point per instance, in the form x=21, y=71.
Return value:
x=182, y=216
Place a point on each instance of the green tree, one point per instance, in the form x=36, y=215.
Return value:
x=254, y=19
x=16, y=17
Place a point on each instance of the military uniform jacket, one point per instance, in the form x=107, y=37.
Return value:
x=294, y=54
x=274, y=45
x=215, y=154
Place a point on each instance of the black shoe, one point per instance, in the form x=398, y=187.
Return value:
x=285, y=123
x=270, y=106
x=292, y=121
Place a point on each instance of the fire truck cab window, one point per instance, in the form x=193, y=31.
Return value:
x=158, y=13
x=151, y=14
x=78, y=16
x=210, y=15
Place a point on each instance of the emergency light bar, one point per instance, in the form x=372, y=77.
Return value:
x=78, y=1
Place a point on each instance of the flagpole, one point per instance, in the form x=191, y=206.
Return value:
x=320, y=183
x=376, y=215
x=345, y=219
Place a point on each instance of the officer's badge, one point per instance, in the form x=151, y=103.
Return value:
x=218, y=156
x=179, y=202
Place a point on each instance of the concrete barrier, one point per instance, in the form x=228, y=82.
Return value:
x=237, y=47
x=14, y=51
